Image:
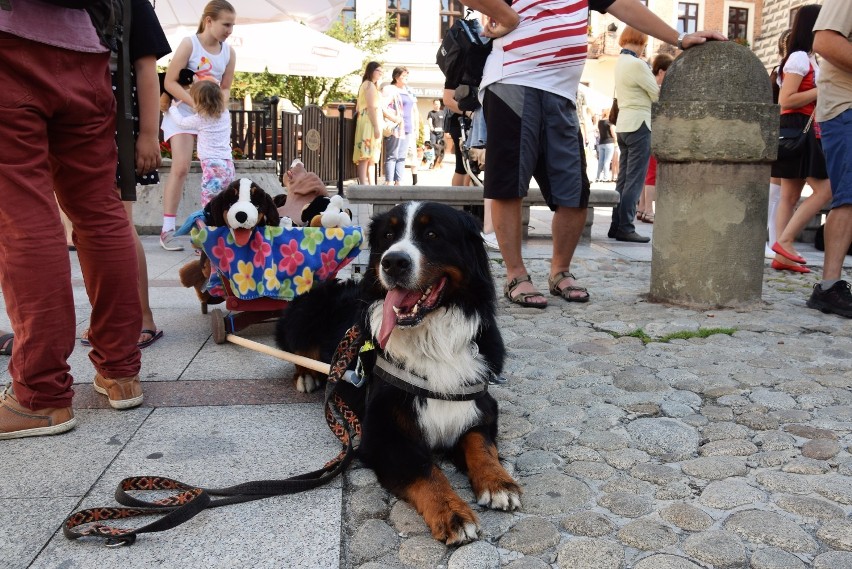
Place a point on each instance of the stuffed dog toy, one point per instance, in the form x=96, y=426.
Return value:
x=185, y=79
x=304, y=190
x=242, y=206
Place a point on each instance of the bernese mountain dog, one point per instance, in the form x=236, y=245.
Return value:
x=428, y=304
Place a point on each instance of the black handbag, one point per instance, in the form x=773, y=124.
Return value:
x=792, y=141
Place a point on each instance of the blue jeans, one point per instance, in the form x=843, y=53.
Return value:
x=635, y=148
x=837, y=146
x=605, y=152
x=395, y=150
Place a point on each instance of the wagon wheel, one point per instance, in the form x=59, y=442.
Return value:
x=217, y=323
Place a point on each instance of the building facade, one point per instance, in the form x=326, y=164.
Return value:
x=777, y=16
x=418, y=26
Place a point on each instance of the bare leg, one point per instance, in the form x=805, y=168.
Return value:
x=800, y=218
x=142, y=264
x=838, y=237
x=460, y=179
x=506, y=216
x=650, y=195
x=181, y=157
x=791, y=191
x=487, y=223
x=567, y=227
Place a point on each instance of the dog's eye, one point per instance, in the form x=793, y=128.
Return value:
x=430, y=234
x=389, y=235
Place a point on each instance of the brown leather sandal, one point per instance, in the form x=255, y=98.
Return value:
x=565, y=292
x=522, y=298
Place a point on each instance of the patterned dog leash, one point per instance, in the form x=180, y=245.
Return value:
x=188, y=500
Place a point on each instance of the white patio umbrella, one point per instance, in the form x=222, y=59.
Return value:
x=318, y=14
x=287, y=48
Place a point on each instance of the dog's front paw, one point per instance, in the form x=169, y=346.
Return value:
x=505, y=496
x=466, y=532
x=307, y=383
x=456, y=524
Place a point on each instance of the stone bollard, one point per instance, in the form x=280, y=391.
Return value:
x=715, y=133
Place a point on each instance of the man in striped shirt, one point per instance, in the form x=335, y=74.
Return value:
x=529, y=91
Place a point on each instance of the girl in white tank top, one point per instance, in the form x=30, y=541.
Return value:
x=207, y=55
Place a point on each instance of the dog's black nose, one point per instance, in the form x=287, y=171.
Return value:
x=396, y=264
x=241, y=216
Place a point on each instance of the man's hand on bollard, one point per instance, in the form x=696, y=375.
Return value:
x=698, y=38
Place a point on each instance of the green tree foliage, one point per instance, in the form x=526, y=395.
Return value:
x=372, y=38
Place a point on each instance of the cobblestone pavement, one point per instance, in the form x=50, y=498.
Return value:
x=730, y=450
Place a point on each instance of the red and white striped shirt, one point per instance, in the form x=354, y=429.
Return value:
x=547, y=50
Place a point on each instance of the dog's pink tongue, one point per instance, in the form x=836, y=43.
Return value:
x=241, y=236
x=395, y=297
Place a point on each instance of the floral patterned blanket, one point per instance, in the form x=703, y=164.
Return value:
x=277, y=263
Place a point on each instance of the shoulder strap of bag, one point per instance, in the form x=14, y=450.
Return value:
x=124, y=123
x=810, y=121
x=188, y=500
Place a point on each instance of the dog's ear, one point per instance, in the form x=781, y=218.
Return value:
x=269, y=210
x=214, y=212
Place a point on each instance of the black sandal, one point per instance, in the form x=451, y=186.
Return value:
x=565, y=292
x=6, y=343
x=522, y=298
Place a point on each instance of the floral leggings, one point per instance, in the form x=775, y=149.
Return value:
x=216, y=174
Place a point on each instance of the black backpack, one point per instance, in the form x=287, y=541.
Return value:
x=461, y=58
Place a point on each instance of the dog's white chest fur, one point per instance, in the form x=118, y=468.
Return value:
x=438, y=349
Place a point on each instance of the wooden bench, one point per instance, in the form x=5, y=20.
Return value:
x=383, y=198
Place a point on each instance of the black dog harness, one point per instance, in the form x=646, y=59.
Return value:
x=412, y=383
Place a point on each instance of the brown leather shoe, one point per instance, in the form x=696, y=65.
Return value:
x=122, y=392
x=16, y=421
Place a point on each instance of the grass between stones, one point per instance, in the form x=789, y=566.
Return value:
x=682, y=335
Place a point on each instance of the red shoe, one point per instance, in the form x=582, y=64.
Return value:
x=779, y=266
x=786, y=254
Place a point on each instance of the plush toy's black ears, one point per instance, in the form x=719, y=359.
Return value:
x=186, y=77
x=315, y=208
x=269, y=209
x=214, y=211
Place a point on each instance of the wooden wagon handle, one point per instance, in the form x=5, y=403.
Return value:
x=280, y=354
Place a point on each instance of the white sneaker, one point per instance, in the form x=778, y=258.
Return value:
x=169, y=242
x=490, y=240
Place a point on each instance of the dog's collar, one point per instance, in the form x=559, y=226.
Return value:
x=416, y=385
